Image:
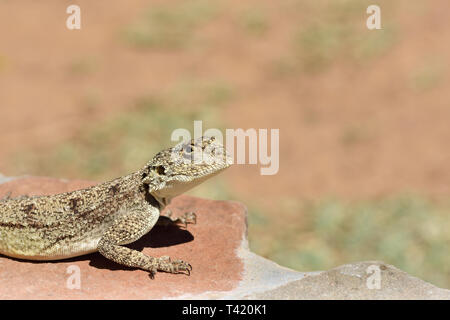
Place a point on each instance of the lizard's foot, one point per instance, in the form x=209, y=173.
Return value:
x=173, y=266
x=185, y=219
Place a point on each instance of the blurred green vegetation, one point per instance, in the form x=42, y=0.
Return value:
x=254, y=22
x=83, y=66
x=170, y=26
x=429, y=75
x=355, y=134
x=408, y=231
x=336, y=32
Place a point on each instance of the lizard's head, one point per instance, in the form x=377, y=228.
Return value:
x=178, y=169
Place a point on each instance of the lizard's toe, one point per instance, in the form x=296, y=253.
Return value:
x=174, y=266
x=151, y=274
x=152, y=268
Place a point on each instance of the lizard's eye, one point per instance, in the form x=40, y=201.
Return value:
x=188, y=148
x=160, y=170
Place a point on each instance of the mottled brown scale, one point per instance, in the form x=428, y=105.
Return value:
x=106, y=216
x=29, y=208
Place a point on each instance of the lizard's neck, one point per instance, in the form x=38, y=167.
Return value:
x=153, y=198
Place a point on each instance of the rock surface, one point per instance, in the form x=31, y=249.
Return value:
x=223, y=266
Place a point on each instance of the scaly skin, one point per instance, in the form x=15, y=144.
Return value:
x=106, y=216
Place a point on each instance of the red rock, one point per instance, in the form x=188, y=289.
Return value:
x=210, y=247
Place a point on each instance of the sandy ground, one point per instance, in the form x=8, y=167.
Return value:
x=353, y=130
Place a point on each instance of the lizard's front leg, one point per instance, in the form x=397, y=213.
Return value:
x=129, y=228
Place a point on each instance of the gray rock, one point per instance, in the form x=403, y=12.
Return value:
x=356, y=281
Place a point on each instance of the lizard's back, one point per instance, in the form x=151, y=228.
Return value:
x=61, y=226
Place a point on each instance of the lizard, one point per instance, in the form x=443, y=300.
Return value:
x=107, y=216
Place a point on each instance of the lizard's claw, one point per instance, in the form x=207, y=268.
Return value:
x=174, y=266
x=152, y=268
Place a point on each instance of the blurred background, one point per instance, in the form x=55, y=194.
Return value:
x=363, y=114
